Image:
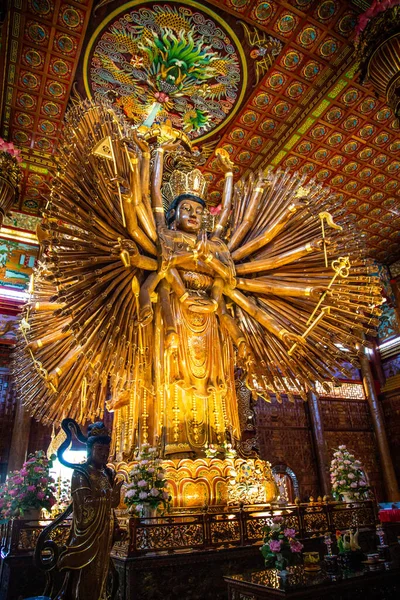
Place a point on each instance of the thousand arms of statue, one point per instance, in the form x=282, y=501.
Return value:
x=141, y=294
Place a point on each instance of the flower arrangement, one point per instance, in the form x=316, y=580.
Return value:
x=347, y=476
x=10, y=149
x=281, y=548
x=10, y=157
x=148, y=487
x=27, y=489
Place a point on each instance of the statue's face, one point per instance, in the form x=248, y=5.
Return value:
x=188, y=216
x=99, y=455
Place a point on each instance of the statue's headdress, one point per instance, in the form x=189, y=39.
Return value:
x=98, y=434
x=181, y=186
x=192, y=183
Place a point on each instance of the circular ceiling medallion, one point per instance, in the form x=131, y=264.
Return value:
x=176, y=61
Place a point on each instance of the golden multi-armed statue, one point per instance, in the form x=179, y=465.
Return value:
x=141, y=301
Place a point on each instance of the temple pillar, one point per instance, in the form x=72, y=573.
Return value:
x=319, y=443
x=377, y=363
x=376, y=411
x=20, y=438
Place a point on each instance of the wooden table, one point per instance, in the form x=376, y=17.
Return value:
x=266, y=585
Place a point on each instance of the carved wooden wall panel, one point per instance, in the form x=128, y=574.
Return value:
x=391, y=408
x=344, y=415
x=285, y=438
x=39, y=437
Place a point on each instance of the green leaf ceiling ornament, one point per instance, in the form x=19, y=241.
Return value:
x=177, y=62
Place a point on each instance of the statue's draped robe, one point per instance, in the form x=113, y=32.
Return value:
x=193, y=400
x=87, y=556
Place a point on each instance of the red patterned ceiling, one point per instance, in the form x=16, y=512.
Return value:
x=42, y=41
x=307, y=113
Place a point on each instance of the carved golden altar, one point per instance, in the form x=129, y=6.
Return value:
x=216, y=482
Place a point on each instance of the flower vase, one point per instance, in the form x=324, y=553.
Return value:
x=148, y=512
x=33, y=514
x=347, y=497
x=146, y=518
x=283, y=577
x=281, y=565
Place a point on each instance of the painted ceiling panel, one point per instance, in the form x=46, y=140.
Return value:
x=308, y=111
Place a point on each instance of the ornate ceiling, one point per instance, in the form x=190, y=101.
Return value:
x=307, y=111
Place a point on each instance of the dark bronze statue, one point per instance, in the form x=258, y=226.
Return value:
x=85, y=559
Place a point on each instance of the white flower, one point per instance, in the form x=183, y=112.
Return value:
x=347, y=462
x=142, y=483
x=144, y=462
x=353, y=484
x=154, y=492
x=342, y=447
x=342, y=482
x=351, y=475
x=130, y=494
x=143, y=495
x=139, y=507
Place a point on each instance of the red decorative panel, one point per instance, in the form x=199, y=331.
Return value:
x=7, y=408
x=391, y=407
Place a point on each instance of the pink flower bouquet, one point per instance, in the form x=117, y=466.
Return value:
x=281, y=548
x=10, y=149
x=377, y=7
x=27, y=489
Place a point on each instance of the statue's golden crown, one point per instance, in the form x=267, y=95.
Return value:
x=180, y=182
